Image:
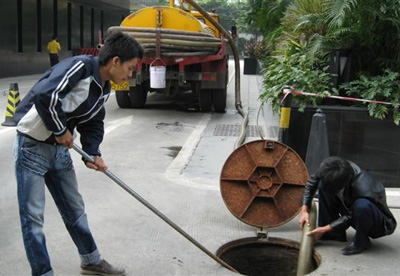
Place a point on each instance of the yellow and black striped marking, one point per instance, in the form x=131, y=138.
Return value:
x=12, y=103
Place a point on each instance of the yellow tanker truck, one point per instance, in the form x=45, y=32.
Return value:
x=184, y=52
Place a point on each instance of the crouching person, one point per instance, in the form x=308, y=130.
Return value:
x=347, y=196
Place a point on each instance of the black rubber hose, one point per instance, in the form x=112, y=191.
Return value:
x=238, y=102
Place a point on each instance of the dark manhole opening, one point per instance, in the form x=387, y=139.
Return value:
x=255, y=257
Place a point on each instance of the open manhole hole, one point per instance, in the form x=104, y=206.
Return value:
x=262, y=185
x=258, y=257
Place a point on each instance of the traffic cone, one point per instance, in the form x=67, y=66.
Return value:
x=318, y=143
x=13, y=101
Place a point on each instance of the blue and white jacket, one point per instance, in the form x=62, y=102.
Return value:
x=69, y=95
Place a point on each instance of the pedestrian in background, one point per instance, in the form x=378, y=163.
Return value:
x=70, y=95
x=53, y=47
x=347, y=196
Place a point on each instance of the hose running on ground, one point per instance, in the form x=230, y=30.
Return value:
x=238, y=103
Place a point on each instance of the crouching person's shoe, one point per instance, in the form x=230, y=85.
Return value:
x=352, y=249
x=103, y=269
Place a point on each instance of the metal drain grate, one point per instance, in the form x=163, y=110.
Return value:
x=234, y=130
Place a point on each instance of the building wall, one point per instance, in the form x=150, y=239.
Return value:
x=27, y=27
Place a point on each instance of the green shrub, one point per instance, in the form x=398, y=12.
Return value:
x=385, y=87
x=292, y=68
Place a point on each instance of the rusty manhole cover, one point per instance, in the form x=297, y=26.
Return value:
x=262, y=183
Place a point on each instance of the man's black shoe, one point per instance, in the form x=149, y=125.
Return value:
x=103, y=269
x=352, y=249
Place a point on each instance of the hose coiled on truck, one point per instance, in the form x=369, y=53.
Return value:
x=173, y=42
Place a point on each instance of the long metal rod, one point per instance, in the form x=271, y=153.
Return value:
x=306, y=244
x=155, y=211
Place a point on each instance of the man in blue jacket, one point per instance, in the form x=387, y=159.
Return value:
x=69, y=96
x=347, y=196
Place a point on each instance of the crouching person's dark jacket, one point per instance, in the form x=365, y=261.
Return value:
x=362, y=185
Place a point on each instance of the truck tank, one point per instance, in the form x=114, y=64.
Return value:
x=191, y=52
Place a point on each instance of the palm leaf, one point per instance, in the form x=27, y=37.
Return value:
x=337, y=11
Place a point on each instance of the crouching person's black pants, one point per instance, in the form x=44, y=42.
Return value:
x=367, y=219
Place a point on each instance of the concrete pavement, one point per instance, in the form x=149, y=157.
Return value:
x=204, y=169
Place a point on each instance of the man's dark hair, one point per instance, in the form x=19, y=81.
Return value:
x=120, y=45
x=53, y=37
x=335, y=173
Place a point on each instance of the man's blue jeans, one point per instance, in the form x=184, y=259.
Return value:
x=39, y=164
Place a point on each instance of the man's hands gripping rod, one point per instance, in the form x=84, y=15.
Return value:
x=94, y=162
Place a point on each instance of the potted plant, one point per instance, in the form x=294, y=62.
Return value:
x=254, y=51
x=354, y=132
x=367, y=135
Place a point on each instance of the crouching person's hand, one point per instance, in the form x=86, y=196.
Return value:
x=319, y=231
x=304, y=217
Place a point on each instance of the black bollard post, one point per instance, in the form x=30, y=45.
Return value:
x=284, y=120
x=318, y=146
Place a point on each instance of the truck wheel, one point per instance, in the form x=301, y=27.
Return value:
x=123, y=100
x=138, y=95
x=195, y=87
x=219, y=100
x=205, y=99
